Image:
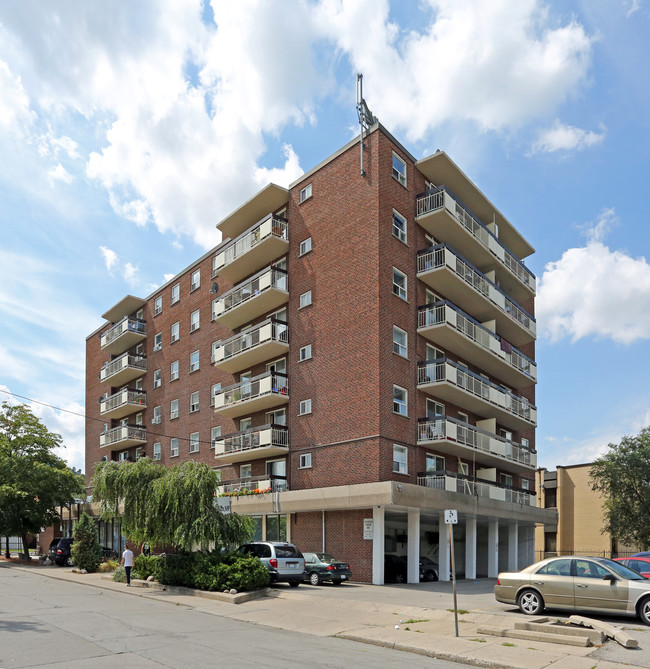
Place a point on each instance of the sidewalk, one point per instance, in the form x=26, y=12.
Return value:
x=372, y=615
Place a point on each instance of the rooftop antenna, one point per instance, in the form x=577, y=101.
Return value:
x=366, y=117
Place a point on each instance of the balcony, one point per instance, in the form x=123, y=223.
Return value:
x=442, y=268
x=457, y=438
x=270, y=198
x=258, y=295
x=124, y=369
x=459, y=484
x=440, y=214
x=445, y=324
x=257, y=247
x=448, y=381
x=122, y=403
x=257, y=394
x=269, y=339
x=123, y=335
x=258, y=442
x=122, y=437
x=256, y=485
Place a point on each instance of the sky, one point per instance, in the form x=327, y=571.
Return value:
x=128, y=130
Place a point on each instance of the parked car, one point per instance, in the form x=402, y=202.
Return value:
x=576, y=583
x=428, y=569
x=396, y=569
x=640, y=564
x=59, y=552
x=283, y=560
x=643, y=554
x=321, y=567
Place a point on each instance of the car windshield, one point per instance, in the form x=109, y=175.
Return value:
x=326, y=557
x=287, y=552
x=621, y=570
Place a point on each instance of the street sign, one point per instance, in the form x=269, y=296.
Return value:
x=451, y=517
x=368, y=528
x=223, y=504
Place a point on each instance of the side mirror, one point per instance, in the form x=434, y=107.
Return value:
x=609, y=577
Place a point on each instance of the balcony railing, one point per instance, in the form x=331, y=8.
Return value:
x=271, y=331
x=272, y=228
x=460, y=484
x=446, y=313
x=255, y=394
x=255, y=485
x=123, y=369
x=131, y=329
x=444, y=371
x=441, y=198
x=255, y=442
x=123, y=402
x=442, y=255
x=456, y=431
x=124, y=435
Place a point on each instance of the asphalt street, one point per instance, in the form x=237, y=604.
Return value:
x=45, y=622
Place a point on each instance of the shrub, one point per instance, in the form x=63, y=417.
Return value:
x=120, y=575
x=85, y=550
x=147, y=565
x=108, y=565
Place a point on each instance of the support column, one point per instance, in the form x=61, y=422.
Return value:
x=470, y=548
x=444, y=549
x=413, y=552
x=493, y=549
x=513, y=547
x=378, y=532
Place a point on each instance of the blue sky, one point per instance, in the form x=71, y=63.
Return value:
x=128, y=130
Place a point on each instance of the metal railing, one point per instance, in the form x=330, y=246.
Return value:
x=126, y=396
x=458, y=483
x=127, y=324
x=441, y=198
x=445, y=370
x=270, y=277
x=474, y=437
x=264, y=384
x=272, y=329
x=112, y=367
x=122, y=433
x=255, y=437
x=255, y=484
x=443, y=255
x=445, y=312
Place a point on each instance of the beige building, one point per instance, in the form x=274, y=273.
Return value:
x=580, y=518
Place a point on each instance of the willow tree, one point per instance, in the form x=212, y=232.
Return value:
x=167, y=506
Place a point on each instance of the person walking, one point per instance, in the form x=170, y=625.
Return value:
x=127, y=561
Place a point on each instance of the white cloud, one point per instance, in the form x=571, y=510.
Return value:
x=110, y=258
x=168, y=277
x=59, y=173
x=130, y=273
x=14, y=102
x=595, y=291
x=632, y=6
x=561, y=137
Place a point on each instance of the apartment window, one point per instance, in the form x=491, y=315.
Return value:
x=157, y=306
x=157, y=378
x=277, y=417
x=400, y=459
x=505, y=480
x=214, y=391
x=138, y=419
x=399, y=283
x=305, y=407
x=245, y=471
x=305, y=246
x=214, y=308
x=525, y=443
x=400, y=342
x=176, y=332
x=434, y=463
x=434, y=409
x=525, y=484
x=305, y=299
x=157, y=415
x=463, y=417
x=305, y=193
x=194, y=442
x=305, y=461
x=194, y=402
x=399, y=169
x=196, y=280
x=400, y=401
x=173, y=372
x=124, y=456
x=399, y=226
x=173, y=448
x=215, y=435
x=138, y=384
x=194, y=361
x=157, y=451
x=463, y=468
x=176, y=293
x=157, y=341
x=214, y=266
x=305, y=353
x=195, y=320
x=173, y=409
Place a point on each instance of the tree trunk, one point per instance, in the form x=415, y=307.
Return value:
x=25, y=548
x=7, y=551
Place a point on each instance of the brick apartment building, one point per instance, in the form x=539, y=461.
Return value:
x=358, y=354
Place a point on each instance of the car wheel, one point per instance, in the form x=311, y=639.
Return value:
x=530, y=602
x=644, y=611
x=400, y=578
x=314, y=578
x=430, y=576
x=294, y=584
x=336, y=581
x=68, y=561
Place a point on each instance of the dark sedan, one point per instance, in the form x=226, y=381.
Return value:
x=321, y=567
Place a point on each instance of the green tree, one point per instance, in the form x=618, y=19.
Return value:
x=85, y=550
x=622, y=475
x=34, y=481
x=167, y=506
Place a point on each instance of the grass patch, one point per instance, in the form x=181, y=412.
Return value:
x=461, y=611
x=510, y=645
x=479, y=640
x=411, y=621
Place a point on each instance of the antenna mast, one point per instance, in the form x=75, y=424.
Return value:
x=366, y=117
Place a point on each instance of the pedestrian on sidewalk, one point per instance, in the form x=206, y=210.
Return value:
x=127, y=561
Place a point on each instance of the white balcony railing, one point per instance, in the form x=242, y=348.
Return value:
x=445, y=312
x=124, y=362
x=253, y=486
x=122, y=433
x=464, y=486
x=442, y=199
x=441, y=255
x=121, y=399
x=252, y=439
x=450, y=429
x=270, y=330
x=126, y=325
x=270, y=383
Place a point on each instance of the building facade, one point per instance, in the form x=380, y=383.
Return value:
x=355, y=357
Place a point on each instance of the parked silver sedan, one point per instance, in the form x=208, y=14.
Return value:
x=576, y=583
